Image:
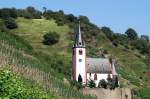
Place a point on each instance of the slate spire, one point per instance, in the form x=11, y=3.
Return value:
x=78, y=40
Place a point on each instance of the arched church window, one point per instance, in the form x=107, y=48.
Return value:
x=90, y=74
x=95, y=76
x=79, y=78
x=80, y=52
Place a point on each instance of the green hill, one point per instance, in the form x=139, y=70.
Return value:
x=131, y=66
x=18, y=57
x=53, y=62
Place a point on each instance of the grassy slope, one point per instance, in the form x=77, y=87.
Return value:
x=33, y=31
x=17, y=53
x=131, y=66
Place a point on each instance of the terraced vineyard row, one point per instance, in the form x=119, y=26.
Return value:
x=21, y=63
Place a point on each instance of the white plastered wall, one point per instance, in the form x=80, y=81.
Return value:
x=80, y=65
x=99, y=77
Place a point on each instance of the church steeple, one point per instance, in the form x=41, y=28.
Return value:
x=79, y=57
x=78, y=40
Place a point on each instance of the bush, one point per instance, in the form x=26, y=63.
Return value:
x=15, y=87
x=102, y=84
x=10, y=23
x=91, y=84
x=141, y=45
x=50, y=38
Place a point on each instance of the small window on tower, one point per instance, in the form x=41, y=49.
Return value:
x=80, y=52
x=80, y=60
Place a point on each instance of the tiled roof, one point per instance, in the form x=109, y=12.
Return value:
x=98, y=65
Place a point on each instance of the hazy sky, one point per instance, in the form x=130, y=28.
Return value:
x=116, y=14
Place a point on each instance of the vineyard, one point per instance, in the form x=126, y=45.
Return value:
x=16, y=54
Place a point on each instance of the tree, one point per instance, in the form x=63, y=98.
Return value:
x=8, y=12
x=131, y=33
x=31, y=13
x=50, y=38
x=142, y=45
x=71, y=18
x=84, y=19
x=31, y=9
x=145, y=37
x=44, y=9
x=48, y=14
x=108, y=32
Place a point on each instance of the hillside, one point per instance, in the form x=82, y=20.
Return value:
x=54, y=61
x=131, y=67
x=18, y=57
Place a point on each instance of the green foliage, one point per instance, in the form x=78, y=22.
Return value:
x=131, y=33
x=2, y=25
x=16, y=41
x=29, y=13
x=108, y=32
x=84, y=19
x=93, y=52
x=6, y=13
x=11, y=86
x=142, y=45
x=58, y=16
x=49, y=79
x=112, y=83
x=147, y=60
x=129, y=38
x=132, y=78
x=10, y=23
x=51, y=38
x=145, y=93
x=145, y=37
x=134, y=62
x=91, y=84
x=102, y=84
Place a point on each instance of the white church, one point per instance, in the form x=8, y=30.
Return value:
x=90, y=68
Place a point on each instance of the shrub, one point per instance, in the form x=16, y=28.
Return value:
x=91, y=84
x=10, y=23
x=102, y=84
x=105, y=51
x=50, y=38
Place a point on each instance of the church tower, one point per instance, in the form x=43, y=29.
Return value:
x=79, y=58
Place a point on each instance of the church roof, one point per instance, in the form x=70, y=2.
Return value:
x=98, y=65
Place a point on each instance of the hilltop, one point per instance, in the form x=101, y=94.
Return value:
x=26, y=38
